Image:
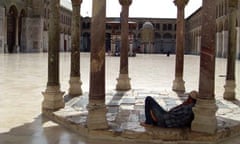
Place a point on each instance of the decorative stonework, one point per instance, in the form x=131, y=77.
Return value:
x=97, y=115
x=123, y=82
x=181, y=3
x=178, y=84
x=204, y=116
x=53, y=98
x=75, y=86
x=125, y=2
x=229, y=93
x=76, y=2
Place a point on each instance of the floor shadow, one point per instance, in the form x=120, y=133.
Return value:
x=40, y=131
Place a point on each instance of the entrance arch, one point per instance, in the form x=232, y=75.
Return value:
x=11, y=28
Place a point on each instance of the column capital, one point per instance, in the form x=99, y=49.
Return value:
x=125, y=2
x=181, y=3
x=76, y=2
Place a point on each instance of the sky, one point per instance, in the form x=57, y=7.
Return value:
x=140, y=8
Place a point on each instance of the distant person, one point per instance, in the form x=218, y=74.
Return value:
x=177, y=117
x=168, y=53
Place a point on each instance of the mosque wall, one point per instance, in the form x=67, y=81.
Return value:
x=32, y=35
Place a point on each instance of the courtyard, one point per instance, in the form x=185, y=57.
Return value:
x=24, y=77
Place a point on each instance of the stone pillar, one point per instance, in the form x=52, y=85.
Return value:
x=5, y=35
x=113, y=45
x=205, y=108
x=131, y=46
x=17, y=48
x=219, y=43
x=198, y=44
x=123, y=83
x=75, y=80
x=53, y=96
x=230, y=85
x=238, y=43
x=224, y=43
x=96, y=107
x=178, y=83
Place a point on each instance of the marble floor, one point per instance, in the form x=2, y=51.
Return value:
x=24, y=77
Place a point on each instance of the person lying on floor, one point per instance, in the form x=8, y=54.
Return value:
x=177, y=117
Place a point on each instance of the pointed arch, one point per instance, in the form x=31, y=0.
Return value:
x=12, y=15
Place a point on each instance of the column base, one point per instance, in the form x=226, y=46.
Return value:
x=123, y=83
x=229, y=93
x=178, y=85
x=97, y=115
x=53, y=98
x=205, y=116
x=75, y=86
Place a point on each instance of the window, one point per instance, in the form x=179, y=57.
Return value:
x=164, y=27
x=169, y=26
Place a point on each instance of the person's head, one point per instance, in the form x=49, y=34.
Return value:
x=192, y=96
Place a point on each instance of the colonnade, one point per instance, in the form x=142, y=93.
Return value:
x=205, y=109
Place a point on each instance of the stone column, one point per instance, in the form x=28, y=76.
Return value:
x=53, y=96
x=205, y=108
x=123, y=79
x=5, y=35
x=198, y=44
x=224, y=43
x=238, y=43
x=75, y=80
x=178, y=83
x=230, y=85
x=96, y=107
x=16, y=47
x=218, y=44
x=113, y=44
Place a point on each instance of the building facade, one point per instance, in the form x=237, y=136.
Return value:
x=24, y=28
x=193, y=30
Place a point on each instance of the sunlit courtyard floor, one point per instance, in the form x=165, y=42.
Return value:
x=24, y=77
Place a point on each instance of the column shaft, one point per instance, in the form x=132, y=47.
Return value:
x=75, y=82
x=124, y=80
x=178, y=83
x=53, y=96
x=96, y=107
x=238, y=43
x=205, y=108
x=231, y=59
x=16, y=48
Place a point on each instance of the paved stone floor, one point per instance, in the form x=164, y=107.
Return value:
x=24, y=77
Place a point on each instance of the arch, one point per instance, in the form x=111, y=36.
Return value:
x=167, y=36
x=12, y=15
x=157, y=35
x=86, y=44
